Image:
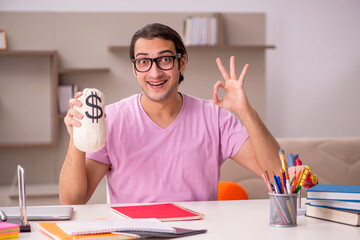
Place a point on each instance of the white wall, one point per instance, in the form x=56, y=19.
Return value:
x=312, y=76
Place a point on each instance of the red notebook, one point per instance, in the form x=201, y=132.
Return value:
x=162, y=211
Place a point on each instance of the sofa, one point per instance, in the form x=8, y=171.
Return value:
x=333, y=160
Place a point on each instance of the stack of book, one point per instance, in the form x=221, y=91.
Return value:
x=200, y=30
x=9, y=230
x=337, y=203
x=141, y=221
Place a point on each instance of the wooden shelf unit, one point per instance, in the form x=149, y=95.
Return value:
x=236, y=31
x=78, y=71
x=223, y=43
x=22, y=138
x=54, y=81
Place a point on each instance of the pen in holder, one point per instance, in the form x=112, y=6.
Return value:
x=283, y=210
x=285, y=190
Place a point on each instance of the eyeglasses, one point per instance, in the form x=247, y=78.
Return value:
x=163, y=62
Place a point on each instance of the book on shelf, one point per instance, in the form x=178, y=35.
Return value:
x=162, y=211
x=52, y=230
x=347, y=205
x=334, y=192
x=348, y=217
x=65, y=92
x=200, y=30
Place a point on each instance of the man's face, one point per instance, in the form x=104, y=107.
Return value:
x=157, y=84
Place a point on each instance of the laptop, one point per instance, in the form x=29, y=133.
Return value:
x=35, y=213
x=41, y=213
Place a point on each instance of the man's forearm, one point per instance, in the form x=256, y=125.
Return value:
x=264, y=144
x=73, y=178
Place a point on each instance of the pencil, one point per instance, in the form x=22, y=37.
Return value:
x=299, y=180
x=297, y=189
x=277, y=183
x=283, y=163
x=282, y=180
x=291, y=210
x=292, y=180
x=267, y=182
x=295, y=184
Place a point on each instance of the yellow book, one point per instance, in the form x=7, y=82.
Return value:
x=9, y=236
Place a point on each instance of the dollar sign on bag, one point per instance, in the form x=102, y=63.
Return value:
x=96, y=111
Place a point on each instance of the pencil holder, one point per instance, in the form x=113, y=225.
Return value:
x=283, y=210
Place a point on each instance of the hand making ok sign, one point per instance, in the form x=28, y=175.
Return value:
x=235, y=99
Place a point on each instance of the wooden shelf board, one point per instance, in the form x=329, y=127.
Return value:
x=27, y=52
x=37, y=190
x=216, y=47
x=224, y=47
x=83, y=70
x=28, y=145
x=118, y=48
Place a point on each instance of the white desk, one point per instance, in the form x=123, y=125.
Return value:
x=246, y=219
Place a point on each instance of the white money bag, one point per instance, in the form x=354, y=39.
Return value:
x=91, y=135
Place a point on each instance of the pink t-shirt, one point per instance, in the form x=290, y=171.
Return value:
x=179, y=163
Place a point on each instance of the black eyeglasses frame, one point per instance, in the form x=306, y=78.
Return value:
x=152, y=60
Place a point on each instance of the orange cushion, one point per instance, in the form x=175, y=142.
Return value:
x=231, y=191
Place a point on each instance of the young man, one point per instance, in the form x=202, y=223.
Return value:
x=163, y=145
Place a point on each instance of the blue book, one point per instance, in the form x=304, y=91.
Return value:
x=346, y=205
x=334, y=192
